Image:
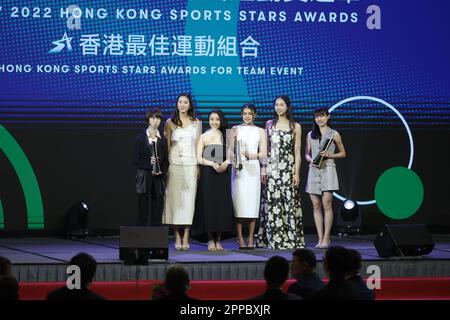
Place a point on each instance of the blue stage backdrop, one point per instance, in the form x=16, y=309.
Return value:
x=106, y=61
x=73, y=73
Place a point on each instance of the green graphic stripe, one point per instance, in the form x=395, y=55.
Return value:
x=27, y=178
x=2, y=220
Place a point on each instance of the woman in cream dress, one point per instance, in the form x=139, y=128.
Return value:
x=182, y=132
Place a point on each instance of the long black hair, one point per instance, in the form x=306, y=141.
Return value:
x=315, y=133
x=176, y=113
x=223, y=122
x=289, y=114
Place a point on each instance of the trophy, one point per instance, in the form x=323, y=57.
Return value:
x=319, y=159
x=156, y=168
x=238, y=157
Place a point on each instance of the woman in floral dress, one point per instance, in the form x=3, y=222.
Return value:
x=281, y=215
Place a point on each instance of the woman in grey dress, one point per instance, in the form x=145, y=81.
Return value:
x=322, y=179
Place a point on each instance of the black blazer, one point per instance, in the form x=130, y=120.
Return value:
x=337, y=289
x=276, y=294
x=141, y=159
x=76, y=294
x=364, y=292
x=177, y=296
x=306, y=285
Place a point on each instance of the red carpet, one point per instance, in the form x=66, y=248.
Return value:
x=391, y=289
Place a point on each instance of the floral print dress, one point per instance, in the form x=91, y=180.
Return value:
x=281, y=224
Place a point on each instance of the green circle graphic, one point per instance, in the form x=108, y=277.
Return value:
x=399, y=193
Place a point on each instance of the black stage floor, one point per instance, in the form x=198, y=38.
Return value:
x=45, y=259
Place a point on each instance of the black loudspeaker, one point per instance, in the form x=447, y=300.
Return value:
x=403, y=240
x=138, y=245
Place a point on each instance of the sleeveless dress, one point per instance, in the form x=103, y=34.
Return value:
x=246, y=183
x=323, y=178
x=281, y=224
x=181, y=188
x=214, y=209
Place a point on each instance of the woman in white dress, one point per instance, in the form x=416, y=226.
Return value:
x=250, y=140
x=182, y=131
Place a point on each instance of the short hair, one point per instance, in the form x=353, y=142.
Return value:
x=336, y=260
x=5, y=266
x=307, y=256
x=354, y=260
x=9, y=288
x=87, y=265
x=276, y=270
x=177, y=279
x=250, y=106
x=155, y=112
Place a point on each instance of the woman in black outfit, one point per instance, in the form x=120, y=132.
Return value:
x=214, y=209
x=151, y=170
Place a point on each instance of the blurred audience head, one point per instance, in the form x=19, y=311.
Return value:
x=88, y=267
x=303, y=261
x=177, y=279
x=354, y=263
x=276, y=271
x=335, y=262
x=9, y=288
x=5, y=266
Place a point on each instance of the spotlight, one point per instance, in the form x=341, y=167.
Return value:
x=76, y=220
x=349, y=204
x=349, y=218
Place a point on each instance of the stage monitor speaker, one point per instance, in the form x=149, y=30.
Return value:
x=138, y=245
x=403, y=240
